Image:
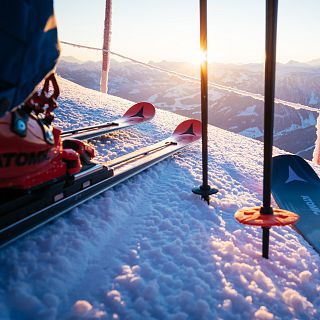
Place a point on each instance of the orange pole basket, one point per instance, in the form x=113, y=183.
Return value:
x=253, y=217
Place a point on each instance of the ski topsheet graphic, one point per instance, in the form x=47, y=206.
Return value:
x=138, y=113
x=21, y=213
x=296, y=187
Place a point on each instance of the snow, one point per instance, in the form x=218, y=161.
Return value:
x=254, y=132
x=149, y=248
x=153, y=98
x=314, y=98
x=249, y=111
x=316, y=151
x=134, y=91
x=310, y=121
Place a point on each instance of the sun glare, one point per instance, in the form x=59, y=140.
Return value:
x=199, y=57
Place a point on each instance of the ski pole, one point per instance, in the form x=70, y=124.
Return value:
x=204, y=190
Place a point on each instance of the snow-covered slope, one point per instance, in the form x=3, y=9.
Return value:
x=149, y=248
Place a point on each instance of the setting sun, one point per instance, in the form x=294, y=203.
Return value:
x=198, y=57
x=202, y=57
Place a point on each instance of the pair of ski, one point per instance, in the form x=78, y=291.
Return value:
x=22, y=212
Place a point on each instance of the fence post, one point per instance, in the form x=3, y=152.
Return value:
x=106, y=47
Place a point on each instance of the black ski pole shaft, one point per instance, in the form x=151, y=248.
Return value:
x=204, y=190
x=270, y=67
x=265, y=242
x=270, y=71
x=204, y=92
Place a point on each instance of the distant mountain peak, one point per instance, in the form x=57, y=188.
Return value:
x=314, y=62
x=295, y=63
x=70, y=59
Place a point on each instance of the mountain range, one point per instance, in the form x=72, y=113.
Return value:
x=296, y=82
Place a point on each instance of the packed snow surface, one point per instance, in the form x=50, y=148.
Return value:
x=149, y=248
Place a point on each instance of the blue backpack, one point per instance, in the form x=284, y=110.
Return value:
x=29, y=48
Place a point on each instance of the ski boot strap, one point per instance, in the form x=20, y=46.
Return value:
x=44, y=102
x=41, y=104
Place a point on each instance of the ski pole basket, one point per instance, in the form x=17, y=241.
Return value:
x=253, y=217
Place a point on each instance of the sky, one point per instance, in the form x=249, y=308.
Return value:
x=156, y=30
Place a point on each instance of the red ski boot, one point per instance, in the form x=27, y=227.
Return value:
x=31, y=152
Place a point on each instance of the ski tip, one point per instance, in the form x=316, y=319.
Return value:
x=290, y=167
x=143, y=110
x=190, y=128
